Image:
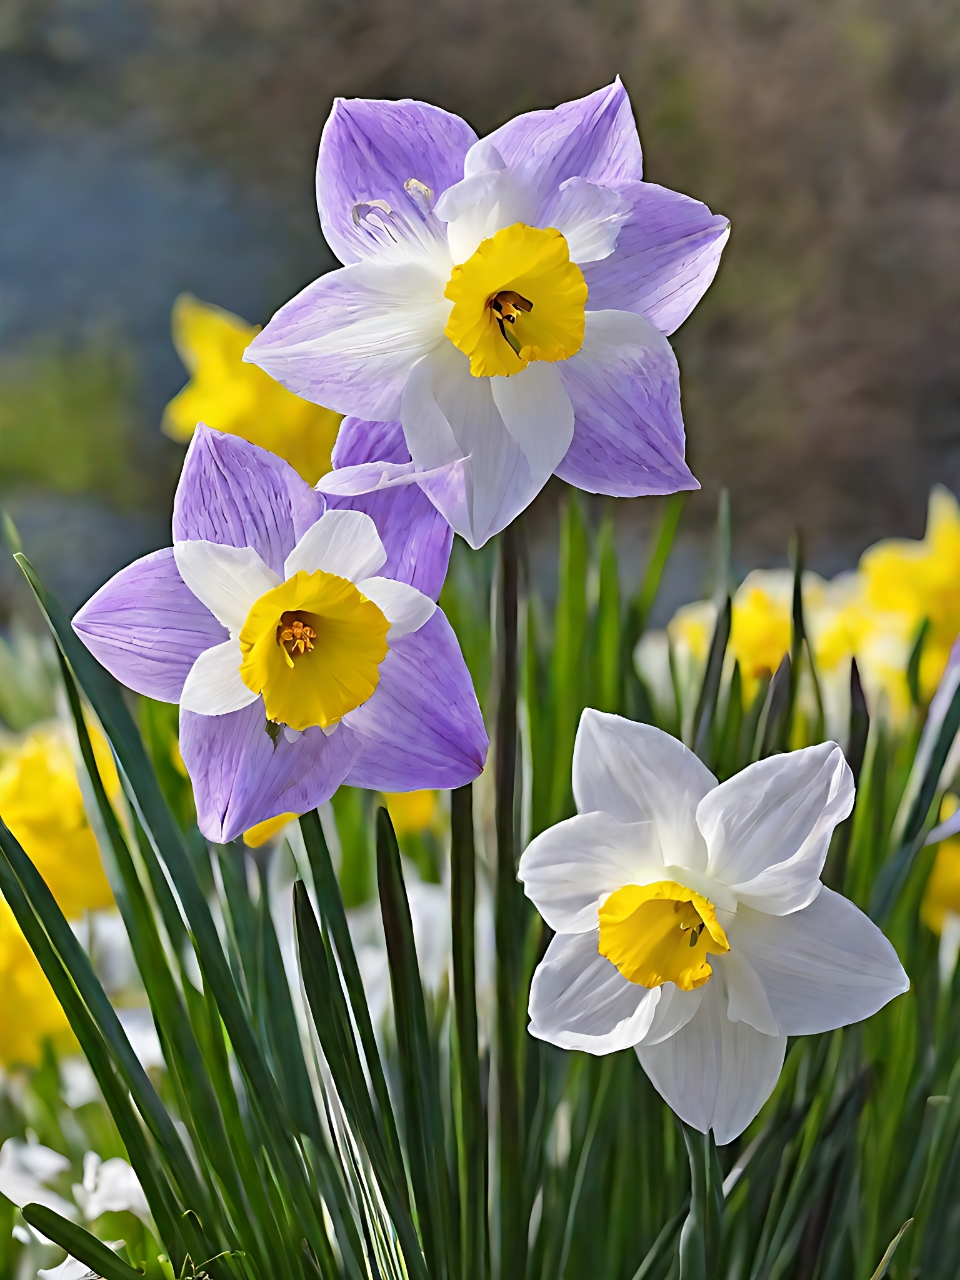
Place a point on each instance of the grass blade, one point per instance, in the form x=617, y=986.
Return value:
x=79, y=1243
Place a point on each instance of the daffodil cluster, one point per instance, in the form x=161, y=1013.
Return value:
x=502, y=316
x=902, y=593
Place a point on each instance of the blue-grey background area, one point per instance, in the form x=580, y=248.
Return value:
x=153, y=146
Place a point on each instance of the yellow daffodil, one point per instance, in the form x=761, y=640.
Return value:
x=239, y=398
x=921, y=580
x=41, y=803
x=942, y=894
x=761, y=625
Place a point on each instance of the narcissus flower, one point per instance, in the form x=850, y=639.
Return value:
x=228, y=395
x=690, y=918
x=299, y=655
x=504, y=302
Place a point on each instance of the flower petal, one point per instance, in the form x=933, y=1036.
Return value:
x=147, y=627
x=579, y=1000
x=361, y=441
x=242, y=496
x=370, y=150
x=715, y=1074
x=404, y=607
x=768, y=828
x=537, y=412
x=590, y=217
x=214, y=686
x=450, y=417
x=228, y=580
x=625, y=388
x=241, y=777
x=342, y=542
x=667, y=253
x=637, y=773
x=593, y=137
x=422, y=727
x=350, y=339
x=822, y=967
x=415, y=535
x=569, y=869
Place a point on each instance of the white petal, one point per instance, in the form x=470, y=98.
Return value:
x=228, y=580
x=489, y=197
x=589, y=216
x=449, y=416
x=579, y=1000
x=747, y=999
x=568, y=870
x=715, y=1074
x=342, y=542
x=674, y=1010
x=404, y=607
x=823, y=967
x=213, y=686
x=537, y=412
x=638, y=773
x=768, y=828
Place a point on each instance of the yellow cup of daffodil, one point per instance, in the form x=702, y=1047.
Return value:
x=41, y=803
x=240, y=399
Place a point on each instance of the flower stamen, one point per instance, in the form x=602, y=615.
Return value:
x=294, y=637
x=506, y=306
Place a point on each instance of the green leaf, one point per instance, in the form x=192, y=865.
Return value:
x=891, y=1249
x=774, y=717
x=710, y=689
x=913, y=663
x=418, y=1065
x=78, y=1242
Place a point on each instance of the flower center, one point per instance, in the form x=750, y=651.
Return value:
x=518, y=298
x=660, y=933
x=313, y=647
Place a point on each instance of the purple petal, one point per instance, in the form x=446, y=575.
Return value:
x=239, y=495
x=361, y=441
x=422, y=728
x=240, y=778
x=593, y=137
x=667, y=254
x=369, y=151
x=628, y=431
x=349, y=340
x=147, y=627
x=416, y=536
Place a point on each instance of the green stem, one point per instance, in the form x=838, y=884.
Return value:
x=513, y=1238
x=463, y=895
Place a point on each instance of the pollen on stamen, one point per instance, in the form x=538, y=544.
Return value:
x=295, y=637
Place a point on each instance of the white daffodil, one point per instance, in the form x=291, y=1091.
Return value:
x=690, y=919
x=327, y=605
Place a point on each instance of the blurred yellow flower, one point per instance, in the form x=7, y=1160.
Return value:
x=240, y=399
x=412, y=811
x=942, y=894
x=41, y=803
x=761, y=625
x=917, y=580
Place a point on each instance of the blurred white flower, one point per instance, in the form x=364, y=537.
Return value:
x=110, y=1186
x=25, y=1168
x=69, y=1269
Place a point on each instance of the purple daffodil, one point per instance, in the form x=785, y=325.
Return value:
x=503, y=306
x=291, y=636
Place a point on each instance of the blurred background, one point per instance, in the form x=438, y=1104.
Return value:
x=149, y=147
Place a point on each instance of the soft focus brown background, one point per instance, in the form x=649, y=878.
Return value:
x=150, y=146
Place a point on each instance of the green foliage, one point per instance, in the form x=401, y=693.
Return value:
x=298, y=1141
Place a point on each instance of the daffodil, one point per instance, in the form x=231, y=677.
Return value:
x=228, y=395
x=298, y=663
x=42, y=805
x=504, y=303
x=412, y=811
x=690, y=921
x=920, y=581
